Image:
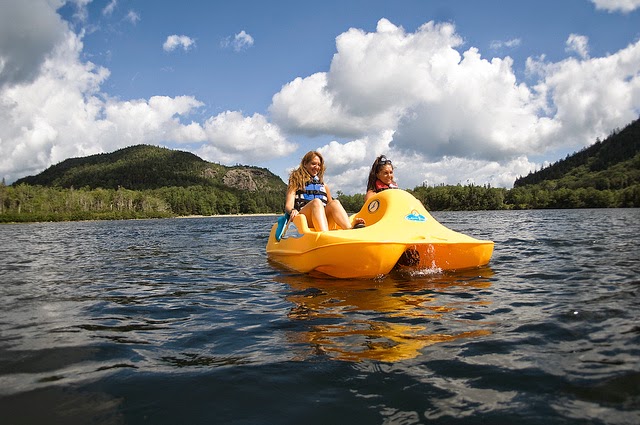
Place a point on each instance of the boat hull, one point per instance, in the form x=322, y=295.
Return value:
x=400, y=233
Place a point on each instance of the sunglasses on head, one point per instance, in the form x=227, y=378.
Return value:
x=384, y=161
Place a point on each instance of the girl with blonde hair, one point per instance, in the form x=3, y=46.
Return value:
x=308, y=194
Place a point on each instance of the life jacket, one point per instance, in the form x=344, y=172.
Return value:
x=381, y=186
x=312, y=189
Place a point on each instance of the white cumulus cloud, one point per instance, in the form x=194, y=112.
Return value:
x=578, y=44
x=452, y=116
x=624, y=6
x=132, y=17
x=591, y=96
x=110, y=7
x=509, y=44
x=240, y=41
x=233, y=137
x=178, y=41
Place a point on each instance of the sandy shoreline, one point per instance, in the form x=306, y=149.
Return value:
x=230, y=215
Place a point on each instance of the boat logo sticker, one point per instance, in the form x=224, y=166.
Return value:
x=292, y=232
x=415, y=216
x=373, y=206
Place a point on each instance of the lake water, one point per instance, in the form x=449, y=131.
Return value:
x=185, y=321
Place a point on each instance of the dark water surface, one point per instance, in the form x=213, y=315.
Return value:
x=184, y=321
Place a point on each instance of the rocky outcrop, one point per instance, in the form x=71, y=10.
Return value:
x=210, y=173
x=242, y=179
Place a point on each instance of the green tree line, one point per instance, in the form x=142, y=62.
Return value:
x=26, y=203
x=543, y=196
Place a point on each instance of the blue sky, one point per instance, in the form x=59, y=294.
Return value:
x=452, y=91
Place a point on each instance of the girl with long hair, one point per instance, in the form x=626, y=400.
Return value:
x=380, y=177
x=308, y=194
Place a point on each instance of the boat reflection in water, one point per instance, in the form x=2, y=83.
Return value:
x=391, y=319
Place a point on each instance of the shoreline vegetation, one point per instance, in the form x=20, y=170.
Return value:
x=27, y=204
x=178, y=217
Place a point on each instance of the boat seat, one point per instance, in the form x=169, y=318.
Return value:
x=300, y=222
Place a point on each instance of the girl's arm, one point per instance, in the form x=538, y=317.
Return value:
x=290, y=202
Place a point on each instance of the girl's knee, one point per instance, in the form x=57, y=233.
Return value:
x=315, y=203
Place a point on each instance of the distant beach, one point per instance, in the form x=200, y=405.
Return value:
x=230, y=215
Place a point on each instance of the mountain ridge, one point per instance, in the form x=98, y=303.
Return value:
x=611, y=164
x=143, y=167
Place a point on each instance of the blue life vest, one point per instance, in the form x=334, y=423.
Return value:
x=313, y=189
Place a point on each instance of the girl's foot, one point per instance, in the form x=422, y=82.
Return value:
x=359, y=223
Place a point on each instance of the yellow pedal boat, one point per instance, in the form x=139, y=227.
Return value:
x=399, y=232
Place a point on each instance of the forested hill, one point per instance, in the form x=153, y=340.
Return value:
x=140, y=182
x=611, y=164
x=144, y=167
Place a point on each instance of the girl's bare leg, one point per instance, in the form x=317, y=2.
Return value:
x=315, y=213
x=339, y=215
